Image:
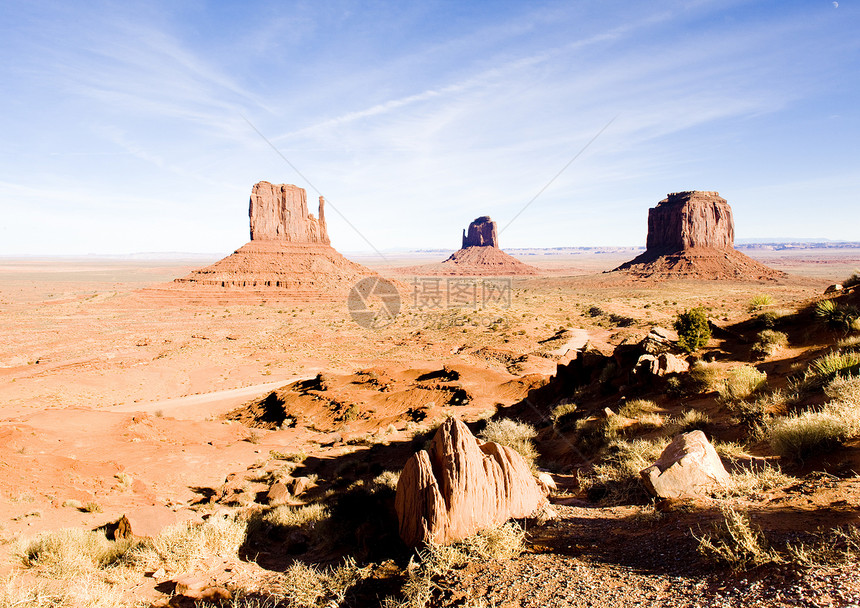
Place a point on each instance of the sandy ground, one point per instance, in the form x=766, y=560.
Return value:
x=109, y=398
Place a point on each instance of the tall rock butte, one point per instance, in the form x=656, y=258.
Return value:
x=289, y=255
x=691, y=235
x=479, y=256
x=279, y=212
x=482, y=233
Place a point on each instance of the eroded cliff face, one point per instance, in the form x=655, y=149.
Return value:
x=279, y=212
x=481, y=233
x=687, y=220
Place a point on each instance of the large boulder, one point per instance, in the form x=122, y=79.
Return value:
x=688, y=467
x=460, y=486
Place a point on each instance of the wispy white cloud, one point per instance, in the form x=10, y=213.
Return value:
x=420, y=119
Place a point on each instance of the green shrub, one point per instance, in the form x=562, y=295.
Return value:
x=833, y=364
x=693, y=329
x=742, y=382
x=768, y=342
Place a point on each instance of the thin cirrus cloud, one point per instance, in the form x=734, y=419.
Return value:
x=418, y=116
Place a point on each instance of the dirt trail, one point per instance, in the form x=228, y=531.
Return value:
x=206, y=405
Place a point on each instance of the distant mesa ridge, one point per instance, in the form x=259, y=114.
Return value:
x=691, y=234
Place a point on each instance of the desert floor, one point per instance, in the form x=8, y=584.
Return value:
x=116, y=401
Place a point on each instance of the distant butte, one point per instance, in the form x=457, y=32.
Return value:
x=289, y=253
x=691, y=234
x=479, y=256
x=481, y=233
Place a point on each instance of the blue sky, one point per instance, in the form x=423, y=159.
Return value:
x=124, y=126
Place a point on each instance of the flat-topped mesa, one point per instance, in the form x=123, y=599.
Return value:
x=688, y=220
x=691, y=235
x=482, y=233
x=279, y=212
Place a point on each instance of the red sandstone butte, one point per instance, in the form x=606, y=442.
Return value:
x=289, y=255
x=691, y=235
x=479, y=256
x=482, y=233
x=279, y=212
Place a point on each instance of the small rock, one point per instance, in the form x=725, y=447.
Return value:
x=278, y=492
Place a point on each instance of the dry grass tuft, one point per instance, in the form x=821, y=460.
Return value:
x=296, y=517
x=690, y=420
x=750, y=482
x=742, y=382
x=307, y=586
x=563, y=414
x=71, y=553
x=637, y=407
x=503, y=542
x=178, y=547
x=737, y=543
x=844, y=390
x=702, y=378
x=803, y=434
x=616, y=479
x=515, y=435
x=768, y=343
x=82, y=592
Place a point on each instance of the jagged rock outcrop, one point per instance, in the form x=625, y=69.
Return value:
x=480, y=256
x=289, y=256
x=279, y=212
x=691, y=235
x=688, y=467
x=482, y=233
x=460, y=486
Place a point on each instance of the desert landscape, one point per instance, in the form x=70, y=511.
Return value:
x=179, y=436
x=392, y=304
